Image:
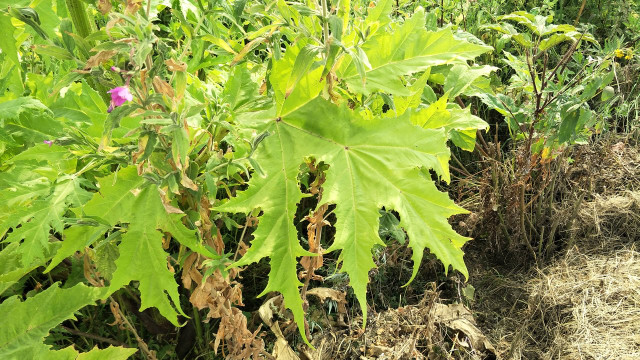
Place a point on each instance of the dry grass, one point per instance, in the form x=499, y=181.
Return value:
x=428, y=330
x=616, y=216
x=586, y=306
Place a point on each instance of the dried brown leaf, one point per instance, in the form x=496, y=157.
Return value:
x=281, y=350
x=104, y=6
x=112, y=23
x=173, y=65
x=162, y=87
x=132, y=6
x=188, y=183
x=458, y=318
x=100, y=58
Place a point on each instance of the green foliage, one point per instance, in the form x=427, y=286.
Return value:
x=376, y=168
x=350, y=145
x=547, y=102
x=228, y=102
x=407, y=50
x=27, y=323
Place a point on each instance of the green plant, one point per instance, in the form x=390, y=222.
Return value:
x=223, y=122
x=547, y=102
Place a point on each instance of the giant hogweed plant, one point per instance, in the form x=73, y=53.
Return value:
x=208, y=118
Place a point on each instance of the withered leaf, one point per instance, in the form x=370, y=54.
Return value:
x=188, y=183
x=132, y=6
x=173, y=65
x=104, y=6
x=100, y=58
x=162, y=87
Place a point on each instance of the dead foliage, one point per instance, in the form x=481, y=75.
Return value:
x=530, y=214
x=586, y=306
x=100, y=58
x=609, y=175
x=221, y=296
x=613, y=216
x=427, y=330
x=132, y=6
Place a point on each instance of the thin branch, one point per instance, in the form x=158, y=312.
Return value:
x=93, y=336
x=143, y=345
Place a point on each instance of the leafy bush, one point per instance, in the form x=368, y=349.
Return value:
x=131, y=146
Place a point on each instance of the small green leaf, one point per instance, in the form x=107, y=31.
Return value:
x=460, y=77
x=301, y=66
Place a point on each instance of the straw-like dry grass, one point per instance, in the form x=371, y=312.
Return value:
x=586, y=306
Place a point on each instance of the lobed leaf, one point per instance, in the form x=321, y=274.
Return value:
x=373, y=163
x=125, y=198
x=27, y=323
x=407, y=50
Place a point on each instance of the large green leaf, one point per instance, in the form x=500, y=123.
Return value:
x=125, y=198
x=408, y=49
x=26, y=324
x=373, y=163
x=41, y=217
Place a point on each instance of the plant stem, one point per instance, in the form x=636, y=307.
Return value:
x=325, y=24
x=143, y=345
x=584, y=2
x=79, y=17
x=187, y=46
x=198, y=325
x=84, y=27
x=93, y=336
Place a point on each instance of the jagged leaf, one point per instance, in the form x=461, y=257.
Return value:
x=459, y=124
x=111, y=353
x=125, y=198
x=11, y=267
x=373, y=163
x=408, y=49
x=42, y=216
x=76, y=238
x=27, y=323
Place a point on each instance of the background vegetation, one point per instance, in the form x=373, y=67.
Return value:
x=185, y=179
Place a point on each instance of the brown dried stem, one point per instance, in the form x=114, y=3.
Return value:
x=122, y=320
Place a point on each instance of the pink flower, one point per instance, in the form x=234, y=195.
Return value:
x=48, y=142
x=119, y=96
